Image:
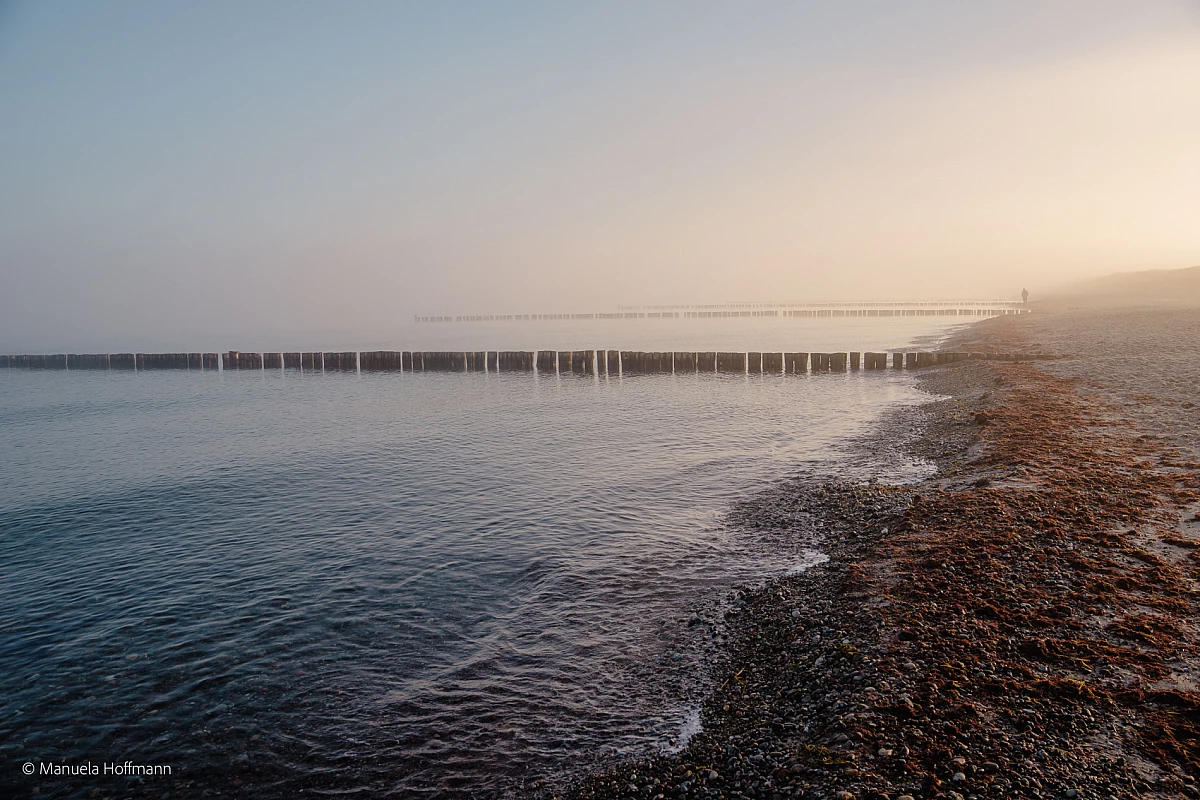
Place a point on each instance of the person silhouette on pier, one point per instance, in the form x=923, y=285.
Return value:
x=1025, y=296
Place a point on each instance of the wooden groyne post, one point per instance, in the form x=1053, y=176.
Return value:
x=565, y=362
x=731, y=362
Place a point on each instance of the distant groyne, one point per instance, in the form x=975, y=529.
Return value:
x=572, y=362
x=948, y=308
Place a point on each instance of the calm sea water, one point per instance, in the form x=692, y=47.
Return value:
x=432, y=584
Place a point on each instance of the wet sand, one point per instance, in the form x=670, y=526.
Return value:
x=1021, y=624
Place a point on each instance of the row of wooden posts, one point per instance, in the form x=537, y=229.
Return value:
x=576, y=362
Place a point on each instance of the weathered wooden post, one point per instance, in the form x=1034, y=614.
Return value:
x=581, y=361
x=272, y=360
x=706, y=362
x=854, y=361
x=612, y=362
x=772, y=363
x=910, y=360
x=754, y=363
x=685, y=363
x=546, y=361
x=493, y=361
x=731, y=362
x=795, y=363
x=837, y=362
x=385, y=360
x=77, y=361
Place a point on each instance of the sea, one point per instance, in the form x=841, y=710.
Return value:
x=391, y=584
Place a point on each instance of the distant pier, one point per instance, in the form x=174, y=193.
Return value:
x=937, y=308
x=557, y=362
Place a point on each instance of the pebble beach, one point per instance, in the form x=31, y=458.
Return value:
x=1018, y=624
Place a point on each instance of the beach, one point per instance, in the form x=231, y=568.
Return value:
x=1019, y=624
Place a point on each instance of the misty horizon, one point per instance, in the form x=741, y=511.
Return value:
x=193, y=172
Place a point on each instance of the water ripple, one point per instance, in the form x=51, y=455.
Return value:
x=377, y=584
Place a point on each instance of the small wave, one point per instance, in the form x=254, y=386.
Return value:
x=809, y=560
x=690, y=727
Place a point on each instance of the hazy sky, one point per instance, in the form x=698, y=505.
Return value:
x=275, y=166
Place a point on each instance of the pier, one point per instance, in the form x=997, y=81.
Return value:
x=604, y=363
x=937, y=308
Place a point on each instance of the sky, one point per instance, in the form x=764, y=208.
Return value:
x=174, y=169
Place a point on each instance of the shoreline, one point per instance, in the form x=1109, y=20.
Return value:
x=1017, y=624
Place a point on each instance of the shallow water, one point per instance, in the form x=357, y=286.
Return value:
x=438, y=584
